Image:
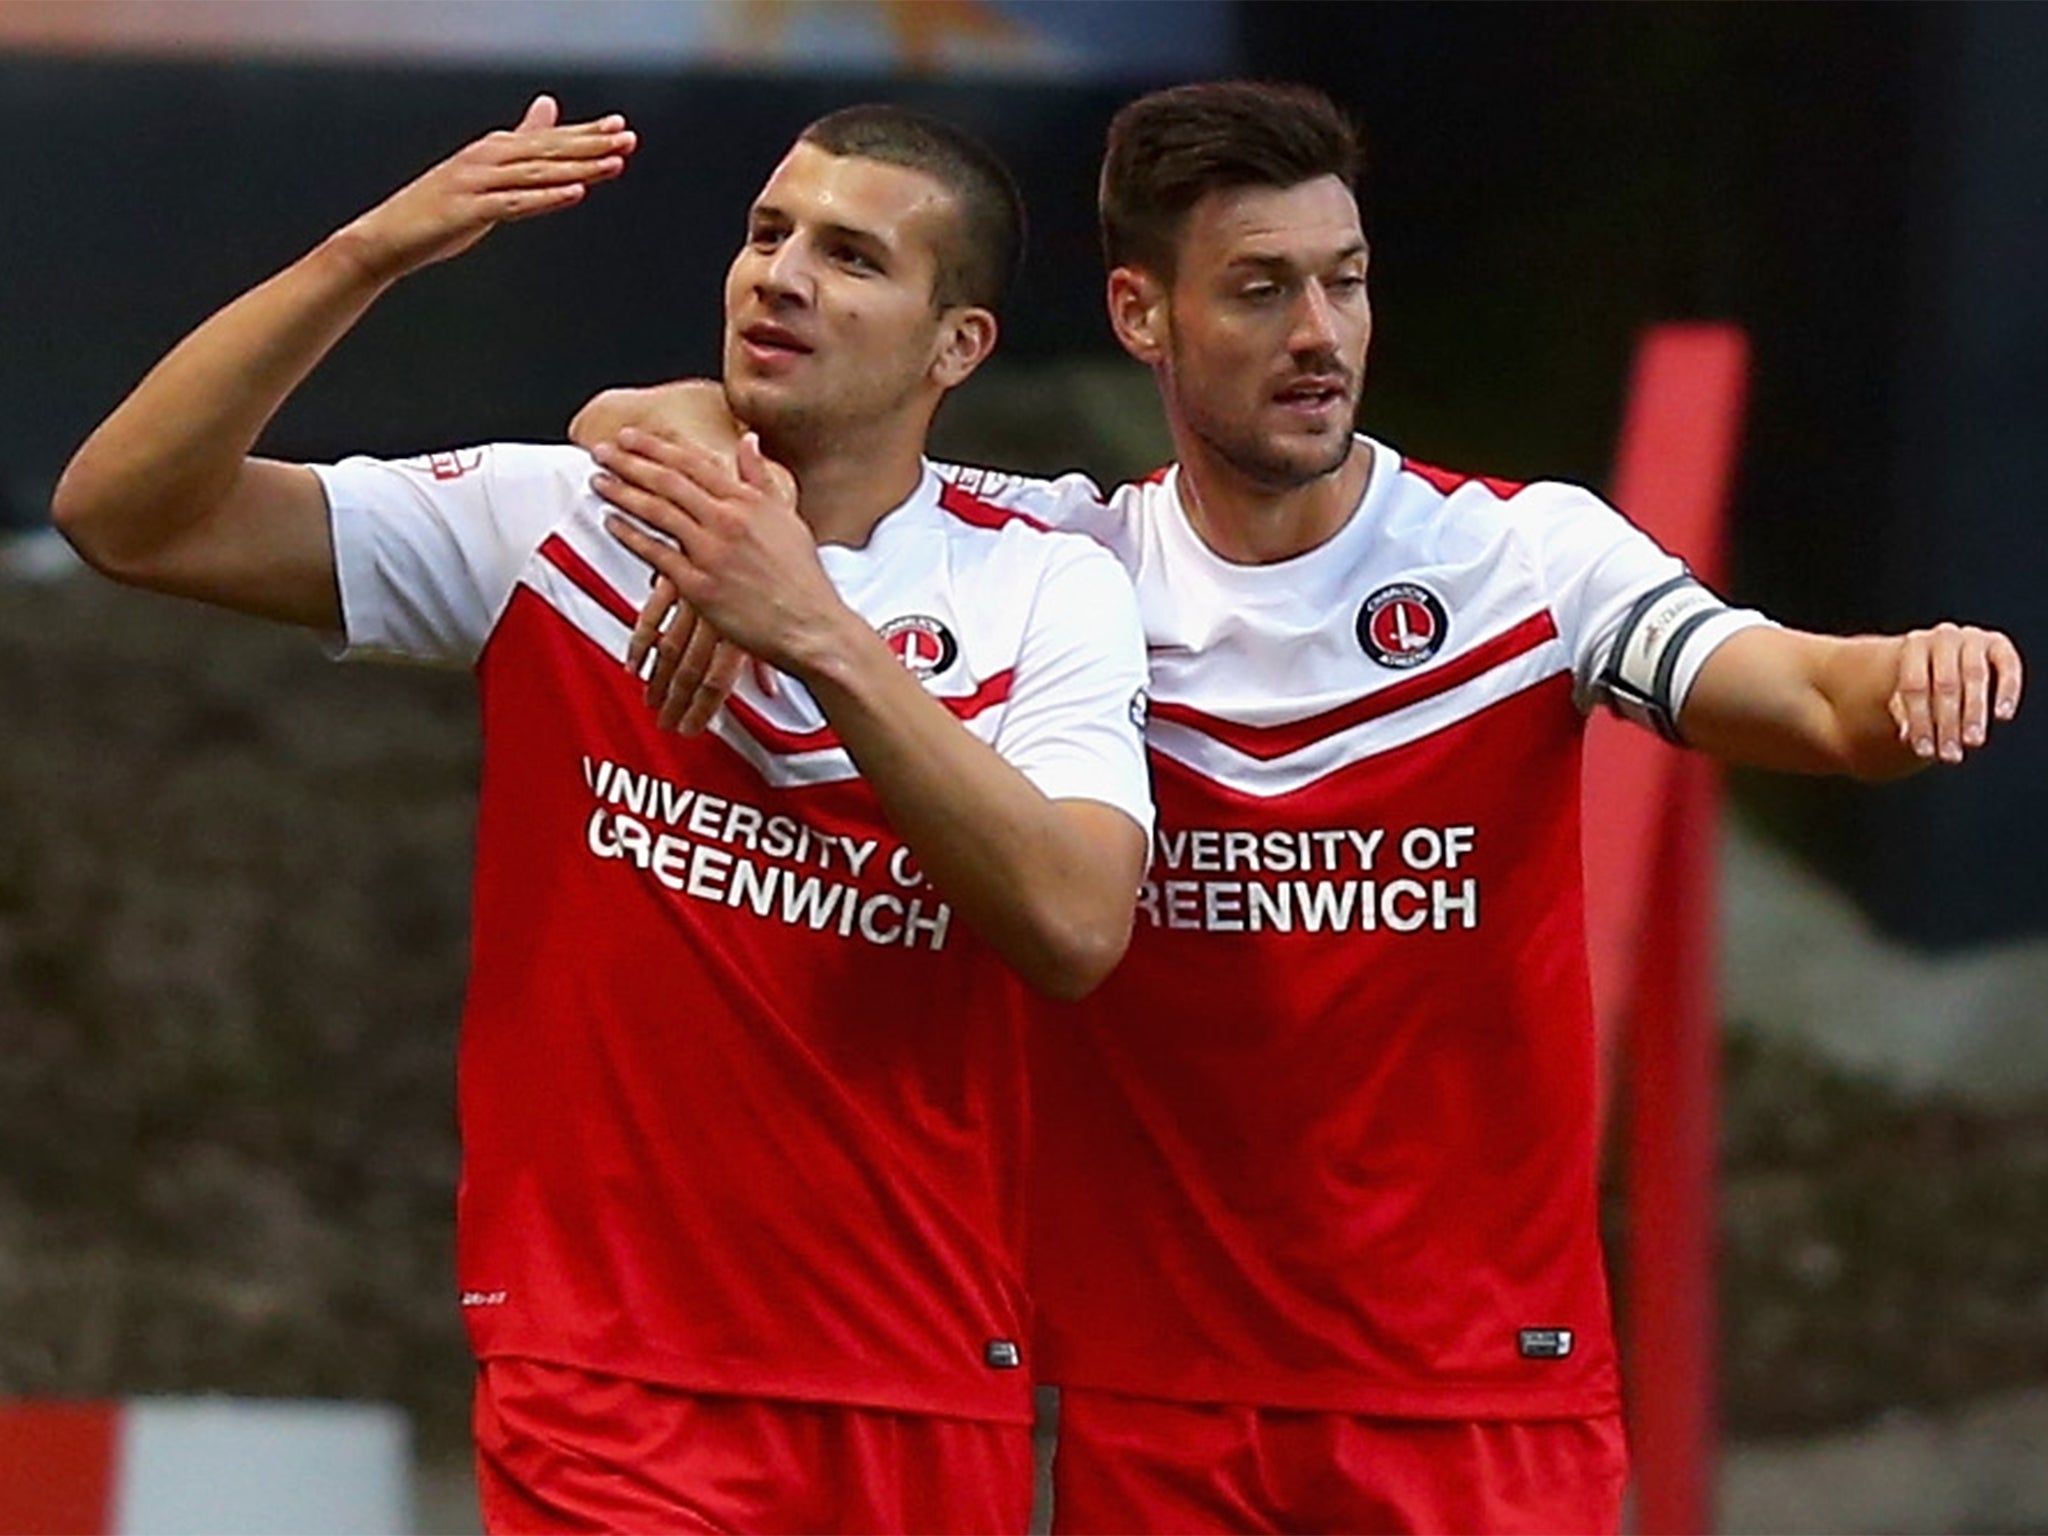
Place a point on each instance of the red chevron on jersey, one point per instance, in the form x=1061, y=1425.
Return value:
x=741, y=1102
x=1449, y=480
x=824, y=739
x=1276, y=741
x=1326, y=1137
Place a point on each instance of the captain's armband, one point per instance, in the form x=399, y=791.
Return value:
x=1646, y=676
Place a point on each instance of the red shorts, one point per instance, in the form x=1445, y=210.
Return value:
x=1130, y=1464
x=565, y=1450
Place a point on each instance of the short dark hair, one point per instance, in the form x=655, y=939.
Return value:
x=1170, y=149
x=979, y=264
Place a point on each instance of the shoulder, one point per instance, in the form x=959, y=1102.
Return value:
x=1553, y=515
x=486, y=470
x=999, y=500
x=1478, y=493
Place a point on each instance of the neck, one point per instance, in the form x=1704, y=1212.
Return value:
x=848, y=481
x=1251, y=522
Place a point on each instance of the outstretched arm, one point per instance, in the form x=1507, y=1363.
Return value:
x=1049, y=884
x=1874, y=706
x=163, y=494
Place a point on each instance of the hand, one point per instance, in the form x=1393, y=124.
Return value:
x=1952, y=679
x=537, y=167
x=694, y=667
x=742, y=558
x=689, y=410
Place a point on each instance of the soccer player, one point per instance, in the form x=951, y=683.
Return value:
x=742, y=1065
x=1315, y=1236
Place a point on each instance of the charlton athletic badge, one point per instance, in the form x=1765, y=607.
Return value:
x=922, y=644
x=1402, y=625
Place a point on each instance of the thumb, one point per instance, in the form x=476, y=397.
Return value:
x=542, y=112
x=759, y=471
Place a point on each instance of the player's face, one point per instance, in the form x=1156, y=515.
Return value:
x=1267, y=328
x=830, y=326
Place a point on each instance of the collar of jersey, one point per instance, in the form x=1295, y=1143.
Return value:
x=1283, y=578
x=916, y=513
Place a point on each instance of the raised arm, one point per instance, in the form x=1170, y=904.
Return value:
x=1049, y=884
x=1873, y=706
x=164, y=495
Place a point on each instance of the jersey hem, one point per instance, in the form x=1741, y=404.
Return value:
x=1490, y=1403
x=780, y=1387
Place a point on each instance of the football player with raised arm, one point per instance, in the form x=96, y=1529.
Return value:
x=1315, y=1241
x=742, y=1093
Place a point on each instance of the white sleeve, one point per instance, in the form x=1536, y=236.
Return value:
x=1075, y=724
x=1071, y=503
x=1636, y=623
x=428, y=550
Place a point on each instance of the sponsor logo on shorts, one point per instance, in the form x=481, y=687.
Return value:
x=1545, y=1343
x=921, y=643
x=1402, y=625
x=1002, y=1354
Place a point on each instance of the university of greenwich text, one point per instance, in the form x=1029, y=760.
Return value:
x=1318, y=880
x=779, y=867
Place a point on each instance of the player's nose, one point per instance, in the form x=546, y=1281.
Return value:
x=784, y=273
x=1315, y=323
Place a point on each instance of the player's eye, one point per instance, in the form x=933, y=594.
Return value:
x=855, y=257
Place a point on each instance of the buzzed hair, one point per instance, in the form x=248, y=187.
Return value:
x=979, y=262
x=1170, y=149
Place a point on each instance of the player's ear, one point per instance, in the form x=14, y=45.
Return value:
x=1137, y=313
x=965, y=341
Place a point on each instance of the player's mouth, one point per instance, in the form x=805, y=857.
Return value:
x=1313, y=396
x=769, y=345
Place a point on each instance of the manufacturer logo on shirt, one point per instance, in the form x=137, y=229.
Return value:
x=1002, y=1355
x=1545, y=1343
x=1402, y=625
x=449, y=466
x=1141, y=708
x=921, y=643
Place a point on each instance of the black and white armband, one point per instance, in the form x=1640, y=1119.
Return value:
x=1658, y=649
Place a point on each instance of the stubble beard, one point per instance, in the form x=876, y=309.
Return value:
x=799, y=431
x=1265, y=465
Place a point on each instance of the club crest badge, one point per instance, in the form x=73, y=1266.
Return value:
x=922, y=644
x=1402, y=625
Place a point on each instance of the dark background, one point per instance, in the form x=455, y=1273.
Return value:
x=1864, y=187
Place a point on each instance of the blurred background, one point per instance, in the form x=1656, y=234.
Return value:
x=233, y=877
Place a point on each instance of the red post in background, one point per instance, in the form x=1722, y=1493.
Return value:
x=1652, y=816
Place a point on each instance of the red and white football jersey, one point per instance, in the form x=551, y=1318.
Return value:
x=1326, y=1139
x=742, y=1100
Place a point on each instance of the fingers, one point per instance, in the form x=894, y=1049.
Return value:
x=720, y=678
x=1953, y=680
x=684, y=653
x=760, y=472
x=664, y=509
x=710, y=470
x=661, y=555
x=1945, y=675
x=2004, y=658
x=541, y=164
x=752, y=464
x=648, y=623
x=683, y=681
x=1910, y=703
